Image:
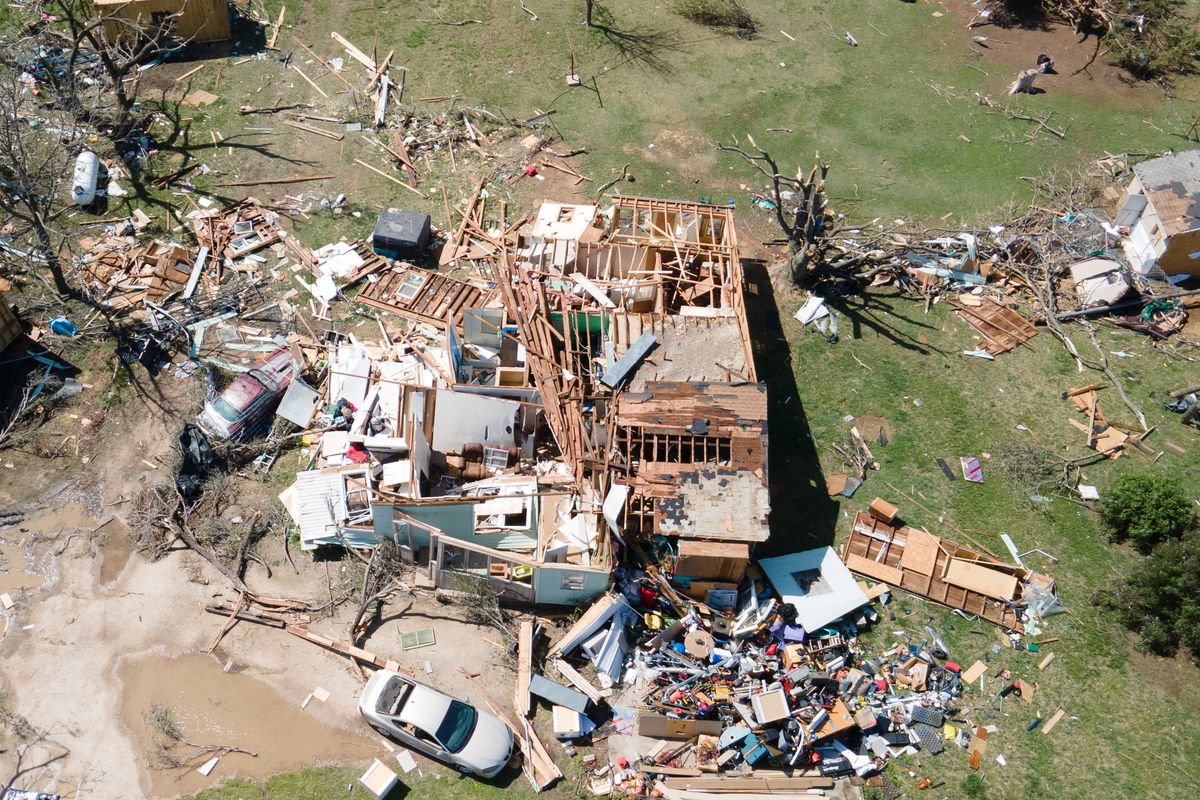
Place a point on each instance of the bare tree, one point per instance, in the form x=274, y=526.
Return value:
x=118, y=46
x=34, y=158
x=805, y=225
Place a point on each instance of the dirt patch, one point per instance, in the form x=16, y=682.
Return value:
x=1178, y=677
x=211, y=706
x=871, y=426
x=1081, y=64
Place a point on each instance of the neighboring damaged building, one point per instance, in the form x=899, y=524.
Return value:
x=1161, y=210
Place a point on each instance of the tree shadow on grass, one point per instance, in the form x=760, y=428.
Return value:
x=645, y=48
x=863, y=312
x=803, y=516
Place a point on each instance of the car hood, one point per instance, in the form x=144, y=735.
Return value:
x=490, y=744
x=213, y=423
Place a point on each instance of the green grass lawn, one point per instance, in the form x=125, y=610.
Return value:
x=896, y=117
x=1131, y=710
x=668, y=89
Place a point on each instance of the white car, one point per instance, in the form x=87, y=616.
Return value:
x=425, y=719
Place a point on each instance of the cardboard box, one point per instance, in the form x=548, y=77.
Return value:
x=656, y=726
x=715, y=561
x=882, y=510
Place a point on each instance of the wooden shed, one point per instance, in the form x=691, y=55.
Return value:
x=10, y=325
x=198, y=21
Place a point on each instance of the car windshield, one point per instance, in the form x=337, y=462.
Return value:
x=225, y=410
x=456, y=728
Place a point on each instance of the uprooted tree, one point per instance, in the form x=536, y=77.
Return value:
x=801, y=210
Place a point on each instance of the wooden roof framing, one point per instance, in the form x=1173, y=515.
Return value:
x=1002, y=328
x=422, y=295
x=881, y=551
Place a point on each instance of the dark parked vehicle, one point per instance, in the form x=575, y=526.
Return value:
x=241, y=409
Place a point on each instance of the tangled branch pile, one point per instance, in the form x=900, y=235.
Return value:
x=173, y=750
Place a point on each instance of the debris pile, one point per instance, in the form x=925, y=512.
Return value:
x=773, y=684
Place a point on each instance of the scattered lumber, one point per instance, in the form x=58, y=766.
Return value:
x=268, y=181
x=337, y=137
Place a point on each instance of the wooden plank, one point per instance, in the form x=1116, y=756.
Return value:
x=973, y=672
x=873, y=569
x=1045, y=662
x=345, y=649
x=979, y=578
x=920, y=552
x=592, y=289
x=597, y=611
x=756, y=784
x=355, y=53
x=578, y=681
x=278, y=26
x=523, y=703
x=391, y=178
x=337, y=137
x=311, y=83
x=1054, y=720
x=190, y=73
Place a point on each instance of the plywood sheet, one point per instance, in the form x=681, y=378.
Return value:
x=920, y=552
x=657, y=726
x=873, y=569
x=982, y=579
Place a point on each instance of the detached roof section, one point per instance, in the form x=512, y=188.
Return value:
x=817, y=584
x=1171, y=184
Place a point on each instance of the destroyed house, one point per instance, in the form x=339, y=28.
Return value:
x=593, y=382
x=1161, y=210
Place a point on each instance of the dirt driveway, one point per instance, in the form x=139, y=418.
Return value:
x=97, y=635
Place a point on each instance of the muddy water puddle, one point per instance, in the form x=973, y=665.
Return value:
x=210, y=706
x=116, y=547
x=66, y=517
x=15, y=571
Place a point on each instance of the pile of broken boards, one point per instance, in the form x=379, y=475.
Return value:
x=1112, y=439
x=210, y=296
x=363, y=416
x=772, y=691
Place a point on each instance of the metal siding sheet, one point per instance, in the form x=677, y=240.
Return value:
x=314, y=490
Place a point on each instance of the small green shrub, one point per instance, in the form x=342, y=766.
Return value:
x=1145, y=509
x=1160, y=598
x=727, y=14
x=973, y=786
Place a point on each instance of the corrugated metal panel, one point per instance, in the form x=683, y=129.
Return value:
x=517, y=540
x=314, y=492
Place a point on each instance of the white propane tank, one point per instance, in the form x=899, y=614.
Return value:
x=87, y=172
